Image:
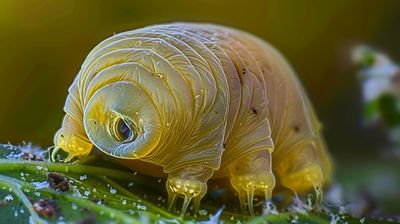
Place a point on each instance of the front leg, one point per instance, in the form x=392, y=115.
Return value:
x=189, y=182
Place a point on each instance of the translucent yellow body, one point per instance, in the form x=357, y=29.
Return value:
x=202, y=101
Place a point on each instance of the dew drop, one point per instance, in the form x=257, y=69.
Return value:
x=74, y=206
x=83, y=177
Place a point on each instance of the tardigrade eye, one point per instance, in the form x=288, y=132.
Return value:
x=123, y=130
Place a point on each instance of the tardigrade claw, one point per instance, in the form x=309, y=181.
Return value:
x=188, y=189
x=249, y=184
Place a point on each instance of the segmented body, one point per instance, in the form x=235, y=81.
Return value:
x=213, y=95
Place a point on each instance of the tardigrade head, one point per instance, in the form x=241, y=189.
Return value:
x=122, y=120
x=72, y=139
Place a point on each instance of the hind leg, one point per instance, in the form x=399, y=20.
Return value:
x=251, y=175
x=301, y=171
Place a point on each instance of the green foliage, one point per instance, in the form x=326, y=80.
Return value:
x=33, y=190
x=371, y=110
x=386, y=108
x=367, y=58
x=389, y=109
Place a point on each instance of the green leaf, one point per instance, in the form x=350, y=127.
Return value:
x=37, y=191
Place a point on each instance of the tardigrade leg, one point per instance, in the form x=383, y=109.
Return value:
x=189, y=182
x=251, y=175
x=301, y=171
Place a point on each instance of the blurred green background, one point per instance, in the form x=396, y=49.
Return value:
x=43, y=43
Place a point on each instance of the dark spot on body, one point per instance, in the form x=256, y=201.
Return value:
x=296, y=128
x=243, y=71
x=223, y=145
x=62, y=136
x=254, y=110
x=94, y=122
x=58, y=182
x=45, y=208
